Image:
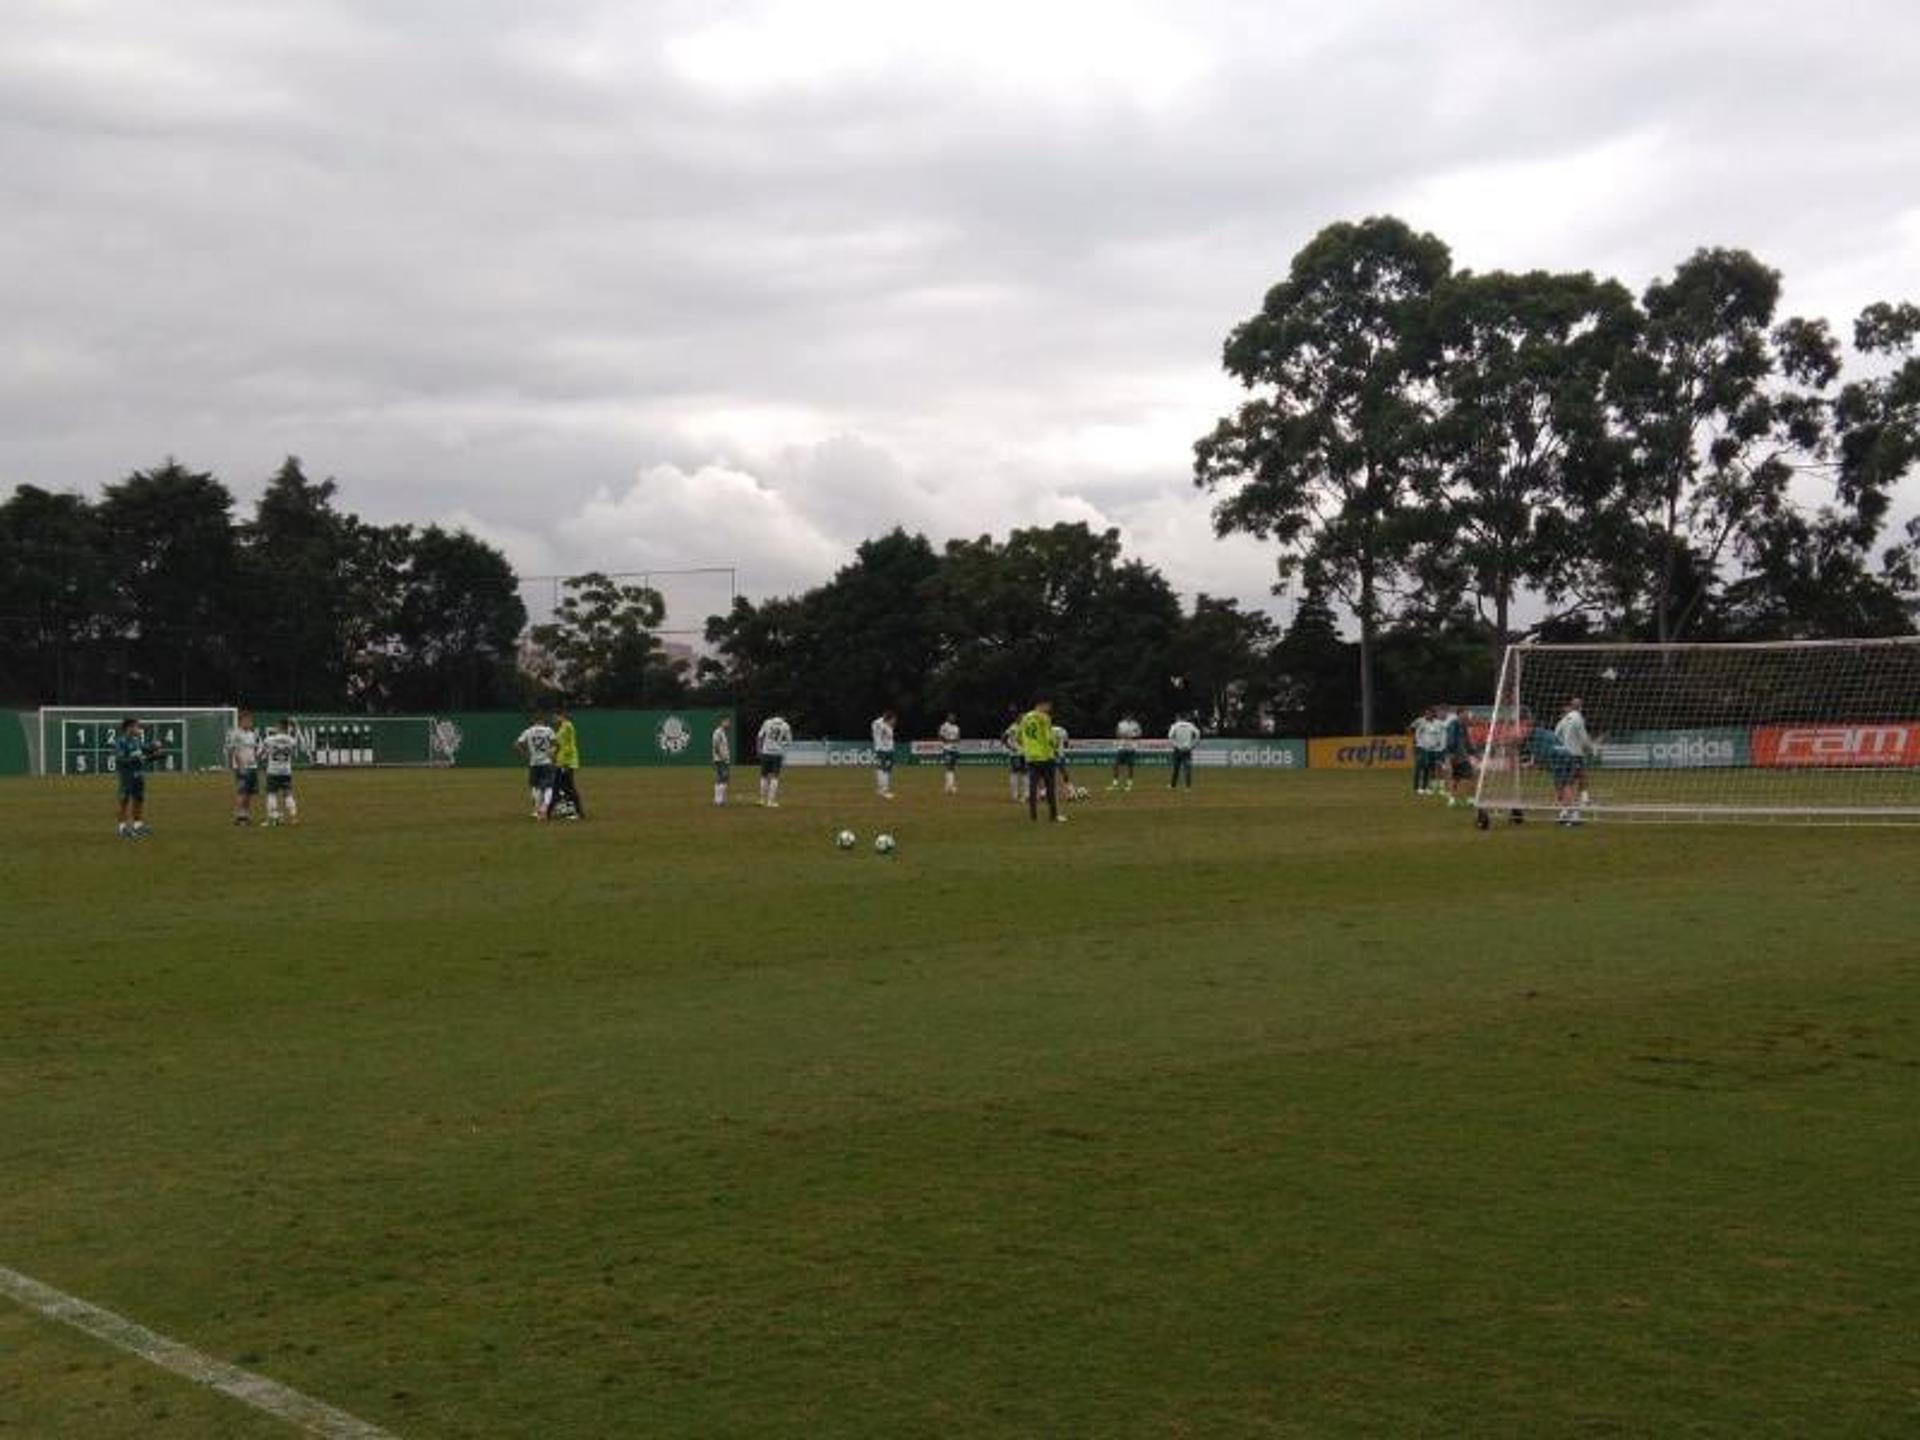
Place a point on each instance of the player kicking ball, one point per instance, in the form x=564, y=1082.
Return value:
x=279, y=748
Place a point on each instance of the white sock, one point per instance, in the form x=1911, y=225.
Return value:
x=773, y=792
x=273, y=807
x=719, y=794
x=293, y=809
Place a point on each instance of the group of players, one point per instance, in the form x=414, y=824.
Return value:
x=250, y=752
x=1036, y=748
x=1443, y=760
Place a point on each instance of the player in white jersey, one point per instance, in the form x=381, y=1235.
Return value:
x=772, y=741
x=536, y=743
x=722, y=744
x=1429, y=749
x=1183, y=735
x=1572, y=746
x=1126, y=743
x=279, y=747
x=243, y=759
x=1016, y=759
x=1060, y=767
x=950, y=754
x=883, y=755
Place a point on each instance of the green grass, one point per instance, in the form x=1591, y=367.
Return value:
x=1290, y=1107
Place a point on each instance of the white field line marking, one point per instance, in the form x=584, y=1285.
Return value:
x=243, y=1385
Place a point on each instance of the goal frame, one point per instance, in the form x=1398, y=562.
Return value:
x=1509, y=724
x=54, y=716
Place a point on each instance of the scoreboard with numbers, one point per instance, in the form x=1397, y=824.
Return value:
x=86, y=746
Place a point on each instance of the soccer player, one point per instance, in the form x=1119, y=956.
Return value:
x=1036, y=748
x=1126, y=739
x=1016, y=758
x=1062, y=774
x=536, y=743
x=279, y=747
x=883, y=755
x=1183, y=734
x=1429, y=749
x=131, y=752
x=1457, y=756
x=566, y=766
x=722, y=759
x=243, y=759
x=1572, y=746
x=950, y=754
x=772, y=741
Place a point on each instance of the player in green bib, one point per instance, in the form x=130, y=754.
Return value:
x=1035, y=736
x=566, y=762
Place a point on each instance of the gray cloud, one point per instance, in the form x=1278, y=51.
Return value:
x=615, y=283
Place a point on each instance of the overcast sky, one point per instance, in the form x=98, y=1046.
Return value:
x=642, y=285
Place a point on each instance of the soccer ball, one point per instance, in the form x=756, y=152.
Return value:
x=1079, y=792
x=846, y=839
x=884, y=844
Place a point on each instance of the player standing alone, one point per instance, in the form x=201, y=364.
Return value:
x=1457, y=755
x=243, y=759
x=131, y=752
x=279, y=747
x=1126, y=742
x=722, y=759
x=1572, y=746
x=1183, y=735
x=772, y=741
x=950, y=754
x=536, y=743
x=883, y=755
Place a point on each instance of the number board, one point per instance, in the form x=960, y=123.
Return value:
x=86, y=746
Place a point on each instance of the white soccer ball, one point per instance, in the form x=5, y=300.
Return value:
x=846, y=839
x=884, y=844
x=1079, y=792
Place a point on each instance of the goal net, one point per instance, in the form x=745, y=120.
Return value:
x=78, y=739
x=1800, y=732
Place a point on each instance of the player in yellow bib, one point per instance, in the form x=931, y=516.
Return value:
x=1034, y=734
x=565, y=795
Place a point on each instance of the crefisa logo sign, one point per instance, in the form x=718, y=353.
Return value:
x=1361, y=752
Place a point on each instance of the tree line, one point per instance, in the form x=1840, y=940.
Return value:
x=1438, y=447
x=1444, y=460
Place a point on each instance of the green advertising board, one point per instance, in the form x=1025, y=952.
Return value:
x=607, y=737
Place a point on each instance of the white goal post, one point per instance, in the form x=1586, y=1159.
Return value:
x=1812, y=732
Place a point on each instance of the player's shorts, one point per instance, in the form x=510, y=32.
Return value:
x=1017, y=764
x=722, y=771
x=1123, y=757
x=246, y=782
x=772, y=764
x=279, y=784
x=132, y=787
x=1462, y=768
x=1565, y=768
x=883, y=763
x=949, y=757
x=540, y=777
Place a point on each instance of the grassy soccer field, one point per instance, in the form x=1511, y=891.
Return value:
x=1294, y=1106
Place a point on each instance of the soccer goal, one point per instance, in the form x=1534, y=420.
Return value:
x=1799, y=732
x=78, y=739
x=335, y=742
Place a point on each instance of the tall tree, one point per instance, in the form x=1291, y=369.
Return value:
x=603, y=645
x=171, y=546
x=54, y=589
x=304, y=574
x=1523, y=384
x=1221, y=653
x=1327, y=455
x=1718, y=407
x=452, y=621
